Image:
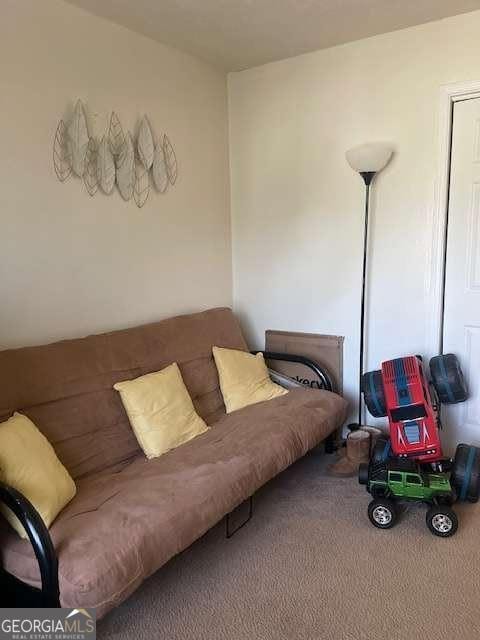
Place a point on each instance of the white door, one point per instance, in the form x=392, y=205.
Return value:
x=462, y=285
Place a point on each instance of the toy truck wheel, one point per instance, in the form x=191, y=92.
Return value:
x=382, y=513
x=363, y=473
x=447, y=378
x=442, y=521
x=465, y=477
x=374, y=394
x=382, y=450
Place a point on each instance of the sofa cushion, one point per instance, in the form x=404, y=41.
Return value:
x=28, y=464
x=244, y=378
x=66, y=388
x=150, y=510
x=160, y=410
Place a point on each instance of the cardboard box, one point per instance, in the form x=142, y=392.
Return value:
x=327, y=351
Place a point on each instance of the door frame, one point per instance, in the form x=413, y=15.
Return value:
x=437, y=259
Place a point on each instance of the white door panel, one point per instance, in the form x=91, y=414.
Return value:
x=462, y=284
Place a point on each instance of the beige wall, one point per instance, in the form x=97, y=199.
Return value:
x=71, y=264
x=297, y=206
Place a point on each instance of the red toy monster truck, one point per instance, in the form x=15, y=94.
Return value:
x=401, y=392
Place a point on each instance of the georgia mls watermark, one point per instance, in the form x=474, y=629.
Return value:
x=47, y=624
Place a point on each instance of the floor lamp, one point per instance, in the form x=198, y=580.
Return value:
x=367, y=160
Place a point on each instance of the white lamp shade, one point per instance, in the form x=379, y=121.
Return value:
x=370, y=157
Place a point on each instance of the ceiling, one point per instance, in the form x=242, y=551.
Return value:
x=237, y=34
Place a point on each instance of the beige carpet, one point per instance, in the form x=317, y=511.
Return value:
x=310, y=566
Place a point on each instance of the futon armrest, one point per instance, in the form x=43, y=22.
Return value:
x=326, y=381
x=283, y=380
x=40, y=540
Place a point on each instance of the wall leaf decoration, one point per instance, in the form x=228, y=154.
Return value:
x=90, y=178
x=145, y=144
x=141, y=188
x=62, y=159
x=116, y=136
x=159, y=170
x=116, y=159
x=170, y=159
x=78, y=139
x=105, y=167
x=126, y=169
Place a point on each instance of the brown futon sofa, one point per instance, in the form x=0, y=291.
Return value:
x=130, y=514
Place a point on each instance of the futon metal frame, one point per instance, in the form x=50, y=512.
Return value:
x=16, y=593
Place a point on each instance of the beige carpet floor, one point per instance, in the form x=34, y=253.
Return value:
x=310, y=566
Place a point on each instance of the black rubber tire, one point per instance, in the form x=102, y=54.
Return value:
x=386, y=505
x=374, y=394
x=442, y=510
x=465, y=476
x=382, y=450
x=447, y=378
x=447, y=499
x=363, y=473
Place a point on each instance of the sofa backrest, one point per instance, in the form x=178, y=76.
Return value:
x=66, y=388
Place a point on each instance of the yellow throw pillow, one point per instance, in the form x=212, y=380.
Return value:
x=244, y=378
x=160, y=410
x=29, y=464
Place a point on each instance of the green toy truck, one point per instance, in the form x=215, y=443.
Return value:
x=397, y=479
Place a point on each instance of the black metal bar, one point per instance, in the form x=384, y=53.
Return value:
x=445, y=236
x=362, y=309
x=326, y=380
x=231, y=532
x=42, y=544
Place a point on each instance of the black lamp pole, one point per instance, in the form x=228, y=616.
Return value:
x=368, y=177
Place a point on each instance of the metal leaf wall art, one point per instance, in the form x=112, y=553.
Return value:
x=90, y=175
x=117, y=159
x=116, y=135
x=145, y=144
x=78, y=139
x=141, y=188
x=126, y=169
x=170, y=159
x=159, y=170
x=62, y=158
x=105, y=167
